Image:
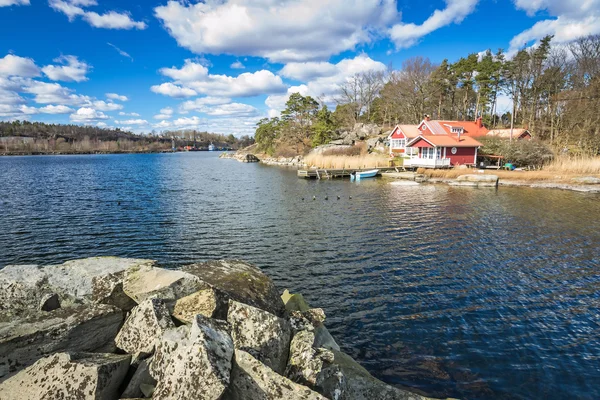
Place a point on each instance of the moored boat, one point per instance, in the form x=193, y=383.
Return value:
x=358, y=175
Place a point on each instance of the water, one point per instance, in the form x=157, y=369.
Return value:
x=470, y=293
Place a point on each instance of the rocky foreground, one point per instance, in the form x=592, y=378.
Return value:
x=115, y=328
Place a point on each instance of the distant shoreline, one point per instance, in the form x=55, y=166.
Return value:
x=12, y=154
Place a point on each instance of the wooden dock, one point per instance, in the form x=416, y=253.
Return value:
x=335, y=173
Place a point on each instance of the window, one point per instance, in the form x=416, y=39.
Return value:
x=431, y=153
x=398, y=143
x=457, y=129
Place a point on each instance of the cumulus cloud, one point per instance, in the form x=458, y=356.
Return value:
x=281, y=31
x=405, y=35
x=133, y=122
x=194, y=78
x=6, y=3
x=165, y=113
x=574, y=19
x=59, y=109
x=217, y=106
x=104, y=106
x=53, y=93
x=87, y=114
x=71, y=69
x=237, y=65
x=12, y=65
x=121, y=113
x=115, y=96
x=171, y=90
x=326, y=79
x=109, y=20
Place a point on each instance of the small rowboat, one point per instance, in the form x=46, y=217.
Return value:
x=358, y=175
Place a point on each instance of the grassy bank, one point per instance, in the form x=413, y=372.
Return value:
x=560, y=170
x=346, y=162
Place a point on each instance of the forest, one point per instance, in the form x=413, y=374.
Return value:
x=24, y=137
x=554, y=91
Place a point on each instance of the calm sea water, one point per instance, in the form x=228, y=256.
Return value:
x=470, y=293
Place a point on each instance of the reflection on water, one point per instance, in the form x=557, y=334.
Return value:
x=471, y=293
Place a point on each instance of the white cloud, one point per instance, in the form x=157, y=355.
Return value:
x=53, y=93
x=169, y=89
x=12, y=65
x=129, y=114
x=165, y=113
x=133, y=122
x=115, y=96
x=87, y=114
x=574, y=19
x=71, y=69
x=237, y=65
x=406, y=35
x=194, y=78
x=109, y=20
x=104, y=106
x=201, y=103
x=121, y=52
x=6, y=3
x=232, y=109
x=59, y=109
x=217, y=106
x=278, y=30
x=326, y=82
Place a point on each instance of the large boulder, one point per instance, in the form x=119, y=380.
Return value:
x=366, y=130
x=474, y=180
x=26, y=339
x=22, y=287
x=260, y=333
x=193, y=362
x=252, y=380
x=140, y=380
x=145, y=324
x=210, y=303
x=149, y=282
x=81, y=376
x=241, y=282
x=305, y=362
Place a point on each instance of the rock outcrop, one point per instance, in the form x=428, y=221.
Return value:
x=78, y=376
x=474, y=180
x=213, y=330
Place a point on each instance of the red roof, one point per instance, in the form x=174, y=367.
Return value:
x=470, y=128
x=446, y=141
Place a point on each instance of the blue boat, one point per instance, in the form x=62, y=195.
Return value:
x=358, y=175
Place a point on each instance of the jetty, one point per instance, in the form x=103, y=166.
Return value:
x=323, y=173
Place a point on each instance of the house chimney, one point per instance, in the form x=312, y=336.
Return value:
x=427, y=117
x=479, y=122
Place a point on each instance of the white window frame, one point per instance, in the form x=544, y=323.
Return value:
x=398, y=143
x=431, y=153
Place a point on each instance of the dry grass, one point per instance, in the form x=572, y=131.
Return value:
x=579, y=165
x=346, y=162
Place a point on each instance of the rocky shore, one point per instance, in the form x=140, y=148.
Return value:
x=116, y=328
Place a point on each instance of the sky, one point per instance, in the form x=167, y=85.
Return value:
x=222, y=65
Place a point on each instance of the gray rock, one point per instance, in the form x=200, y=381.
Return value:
x=108, y=289
x=75, y=277
x=337, y=142
x=260, y=333
x=26, y=339
x=252, y=380
x=588, y=180
x=140, y=378
x=241, y=282
x=345, y=379
x=149, y=282
x=22, y=287
x=305, y=362
x=146, y=323
x=49, y=302
x=210, y=303
x=78, y=376
x=193, y=362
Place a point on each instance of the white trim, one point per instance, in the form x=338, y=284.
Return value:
x=409, y=144
x=394, y=130
x=475, y=160
x=445, y=152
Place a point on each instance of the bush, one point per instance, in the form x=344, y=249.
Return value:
x=522, y=153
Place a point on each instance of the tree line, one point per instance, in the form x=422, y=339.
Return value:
x=554, y=91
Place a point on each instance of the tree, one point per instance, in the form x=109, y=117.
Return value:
x=297, y=118
x=323, y=127
x=267, y=133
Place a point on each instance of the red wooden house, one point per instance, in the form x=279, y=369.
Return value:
x=399, y=137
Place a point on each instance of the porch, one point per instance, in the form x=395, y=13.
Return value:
x=427, y=163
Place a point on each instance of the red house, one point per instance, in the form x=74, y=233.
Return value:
x=445, y=144
x=399, y=137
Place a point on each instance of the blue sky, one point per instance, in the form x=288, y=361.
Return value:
x=222, y=65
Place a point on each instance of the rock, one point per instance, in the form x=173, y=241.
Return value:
x=587, y=180
x=49, y=302
x=365, y=130
x=260, y=333
x=241, y=282
x=140, y=378
x=149, y=282
x=252, y=380
x=108, y=289
x=26, y=339
x=294, y=302
x=305, y=362
x=476, y=180
x=80, y=376
x=75, y=277
x=345, y=379
x=193, y=362
x=208, y=302
x=22, y=287
x=315, y=315
x=146, y=323
x=337, y=142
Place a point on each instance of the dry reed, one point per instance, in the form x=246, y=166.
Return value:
x=346, y=162
x=578, y=165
